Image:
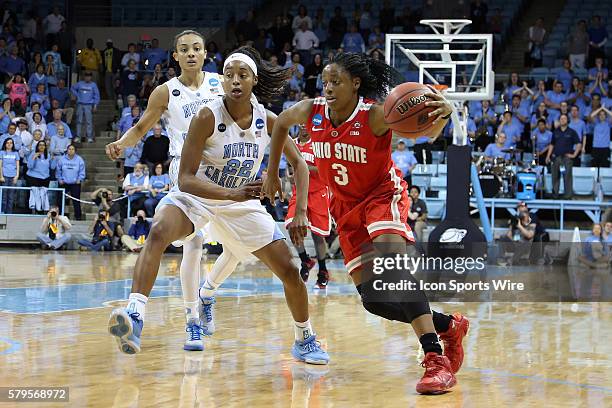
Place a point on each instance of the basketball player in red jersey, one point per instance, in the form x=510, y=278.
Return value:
x=352, y=147
x=319, y=219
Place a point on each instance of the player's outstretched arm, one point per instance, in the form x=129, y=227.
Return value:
x=200, y=129
x=295, y=115
x=298, y=228
x=157, y=105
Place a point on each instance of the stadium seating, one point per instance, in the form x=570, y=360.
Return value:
x=584, y=180
x=605, y=179
x=436, y=209
x=438, y=184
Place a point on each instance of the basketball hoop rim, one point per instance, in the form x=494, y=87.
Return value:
x=440, y=87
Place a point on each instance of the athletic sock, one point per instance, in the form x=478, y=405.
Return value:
x=191, y=311
x=302, y=330
x=322, y=266
x=441, y=321
x=208, y=289
x=136, y=304
x=430, y=344
x=304, y=256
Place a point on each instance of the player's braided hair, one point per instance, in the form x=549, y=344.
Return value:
x=187, y=32
x=272, y=80
x=377, y=78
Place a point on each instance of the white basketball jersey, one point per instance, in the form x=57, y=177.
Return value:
x=183, y=104
x=232, y=156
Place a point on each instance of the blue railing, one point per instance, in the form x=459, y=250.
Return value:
x=592, y=209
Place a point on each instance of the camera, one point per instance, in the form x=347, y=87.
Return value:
x=102, y=217
x=140, y=218
x=105, y=194
x=53, y=214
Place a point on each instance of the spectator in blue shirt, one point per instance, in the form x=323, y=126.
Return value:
x=138, y=233
x=594, y=250
x=39, y=166
x=541, y=137
x=135, y=186
x=87, y=98
x=70, y=173
x=13, y=63
x=554, y=98
x=60, y=92
x=565, y=146
x=9, y=174
x=511, y=129
x=38, y=77
x=126, y=122
x=57, y=121
x=601, y=118
x=566, y=74
x=538, y=94
x=485, y=117
x=132, y=156
x=599, y=86
x=159, y=184
x=5, y=119
x=155, y=55
x=578, y=125
x=42, y=98
x=598, y=36
x=513, y=85
x=127, y=110
x=54, y=59
x=405, y=160
x=353, y=41
x=598, y=69
x=494, y=150
x=520, y=112
x=580, y=98
x=59, y=143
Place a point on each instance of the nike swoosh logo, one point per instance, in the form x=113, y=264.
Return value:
x=317, y=129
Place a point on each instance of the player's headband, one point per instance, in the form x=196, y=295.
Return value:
x=238, y=56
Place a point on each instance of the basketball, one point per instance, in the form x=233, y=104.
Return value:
x=407, y=114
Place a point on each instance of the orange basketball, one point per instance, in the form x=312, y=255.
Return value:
x=407, y=114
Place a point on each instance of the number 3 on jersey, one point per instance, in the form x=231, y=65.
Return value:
x=342, y=177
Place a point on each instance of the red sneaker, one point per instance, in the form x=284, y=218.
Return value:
x=452, y=338
x=438, y=377
x=310, y=263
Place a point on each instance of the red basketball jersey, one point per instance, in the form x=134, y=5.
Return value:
x=315, y=183
x=351, y=160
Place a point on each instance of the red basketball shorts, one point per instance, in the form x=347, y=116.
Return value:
x=319, y=219
x=385, y=211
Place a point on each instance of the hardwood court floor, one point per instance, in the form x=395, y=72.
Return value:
x=54, y=309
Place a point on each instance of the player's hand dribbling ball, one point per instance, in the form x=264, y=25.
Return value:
x=413, y=110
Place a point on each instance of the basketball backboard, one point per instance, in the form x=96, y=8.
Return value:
x=462, y=62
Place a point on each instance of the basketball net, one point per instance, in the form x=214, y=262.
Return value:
x=459, y=117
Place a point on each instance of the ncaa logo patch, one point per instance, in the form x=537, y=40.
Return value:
x=317, y=119
x=213, y=82
x=259, y=123
x=221, y=127
x=176, y=92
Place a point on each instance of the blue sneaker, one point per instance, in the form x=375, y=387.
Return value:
x=309, y=351
x=207, y=319
x=126, y=327
x=194, y=340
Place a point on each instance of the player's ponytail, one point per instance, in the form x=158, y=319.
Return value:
x=272, y=80
x=377, y=78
